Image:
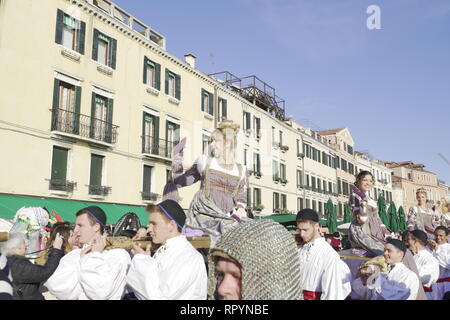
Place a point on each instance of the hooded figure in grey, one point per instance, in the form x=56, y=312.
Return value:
x=268, y=258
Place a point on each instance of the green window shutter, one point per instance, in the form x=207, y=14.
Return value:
x=177, y=87
x=224, y=108
x=96, y=170
x=211, y=104
x=56, y=94
x=157, y=76
x=92, y=125
x=248, y=120
x=145, y=69
x=76, y=121
x=177, y=134
x=147, y=186
x=143, y=131
x=59, y=26
x=202, y=99
x=113, y=51
x=82, y=38
x=167, y=82
x=55, y=105
x=156, y=135
x=59, y=164
x=109, y=120
x=95, y=45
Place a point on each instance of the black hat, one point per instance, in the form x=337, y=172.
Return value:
x=398, y=244
x=96, y=213
x=442, y=228
x=308, y=214
x=173, y=210
x=420, y=235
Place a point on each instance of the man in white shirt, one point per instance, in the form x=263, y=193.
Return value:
x=90, y=273
x=398, y=283
x=441, y=251
x=323, y=275
x=177, y=270
x=427, y=265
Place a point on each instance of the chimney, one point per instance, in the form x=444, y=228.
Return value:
x=190, y=59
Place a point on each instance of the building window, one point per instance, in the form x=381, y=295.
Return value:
x=308, y=203
x=147, y=183
x=173, y=84
x=299, y=179
x=95, y=179
x=206, y=145
x=283, y=172
x=319, y=184
x=104, y=49
x=257, y=126
x=314, y=206
x=256, y=197
x=276, y=201
x=223, y=112
x=152, y=74
x=330, y=187
x=313, y=183
x=299, y=204
x=207, y=102
x=150, y=134
x=281, y=138
x=168, y=175
x=245, y=157
x=70, y=32
x=283, y=202
x=172, y=136
x=256, y=163
x=102, y=115
x=59, y=168
x=275, y=171
x=307, y=180
x=246, y=122
x=320, y=207
x=66, y=107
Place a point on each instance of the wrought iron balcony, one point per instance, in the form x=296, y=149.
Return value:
x=61, y=185
x=157, y=147
x=150, y=196
x=83, y=126
x=99, y=190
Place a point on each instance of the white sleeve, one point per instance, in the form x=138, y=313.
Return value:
x=102, y=275
x=150, y=281
x=429, y=273
x=442, y=255
x=361, y=290
x=64, y=283
x=386, y=289
x=336, y=280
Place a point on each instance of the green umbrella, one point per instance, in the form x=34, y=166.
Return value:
x=381, y=203
x=393, y=218
x=331, y=216
x=402, y=226
x=347, y=214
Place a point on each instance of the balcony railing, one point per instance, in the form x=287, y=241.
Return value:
x=157, y=147
x=150, y=196
x=99, y=190
x=83, y=126
x=62, y=185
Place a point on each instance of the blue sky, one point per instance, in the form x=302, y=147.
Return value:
x=390, y=87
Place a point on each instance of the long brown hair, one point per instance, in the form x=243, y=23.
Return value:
x=64, y=229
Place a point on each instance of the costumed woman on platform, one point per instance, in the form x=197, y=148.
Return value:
x=367, y=231
x=220, y=203
x=421, y=217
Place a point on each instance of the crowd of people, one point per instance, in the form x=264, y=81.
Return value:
x=256, y=259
